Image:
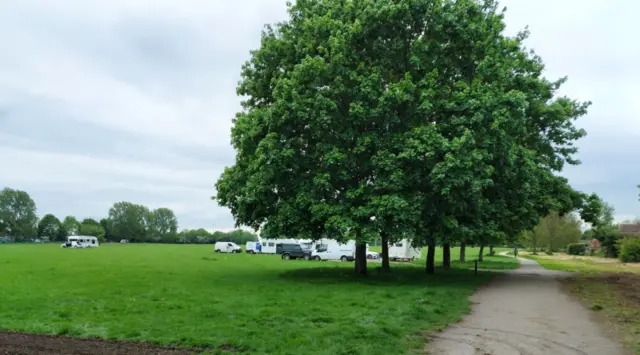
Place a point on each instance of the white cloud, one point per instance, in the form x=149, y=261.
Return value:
x=103, y=101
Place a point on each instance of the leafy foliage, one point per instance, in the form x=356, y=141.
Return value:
x=71, y=225
x=629, y=250
x=50, y=227
x=575, y=249
x=17, y=214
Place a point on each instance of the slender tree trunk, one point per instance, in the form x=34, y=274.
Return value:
x=463, y=252
x=385, y=253
x=431, y=257
x=480, y=255
x=446, y=255
x=361, y=254
x=491, y=251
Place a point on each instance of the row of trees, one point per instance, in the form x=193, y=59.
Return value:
x=125, y=220
x=400, y=119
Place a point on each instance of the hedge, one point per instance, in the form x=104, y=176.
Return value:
x=575, y=249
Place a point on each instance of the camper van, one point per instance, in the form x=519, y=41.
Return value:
x=81, y=241
x=329, y=249
x=227, y=247
x=253, y=247
x=269, y=245
x=402, y=250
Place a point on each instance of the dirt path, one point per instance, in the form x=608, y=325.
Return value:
x=525, y=312
x=12, y=343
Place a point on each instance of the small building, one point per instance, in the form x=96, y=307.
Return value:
x=630, y=228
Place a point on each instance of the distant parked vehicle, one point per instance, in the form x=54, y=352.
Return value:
x=403, y=250
x=124, y=241
x=330, y=249
x=372, y=255
x=253, y=247
x=292, y=251
x=81, y=241
x=5, y=240
x=227, y=247
x=269, y=245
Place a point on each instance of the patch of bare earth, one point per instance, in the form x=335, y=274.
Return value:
x=13, y=343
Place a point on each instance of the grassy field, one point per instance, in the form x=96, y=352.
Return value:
x=187, y=295
x=607, y=286
x=583, y=264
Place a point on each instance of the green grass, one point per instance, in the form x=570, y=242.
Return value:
x=496, y=262
x=259, y=304
x=586, y=265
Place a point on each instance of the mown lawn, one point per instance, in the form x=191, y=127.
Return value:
x=587, y=265
x=190, y=296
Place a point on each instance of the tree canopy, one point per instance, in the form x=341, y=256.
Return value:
x=18, y=217
x=368, y=117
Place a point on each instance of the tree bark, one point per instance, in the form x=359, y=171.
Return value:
x=431, y=257
x=446, y=255
x=463, y=252
x=385, y=252
x=491, y=251
x=480, y=256
x=361, y=254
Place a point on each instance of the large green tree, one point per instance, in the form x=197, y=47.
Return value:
x=71, y=226
x=129, y=221
x=50, y=227
x=17, y=214
x=163, y=225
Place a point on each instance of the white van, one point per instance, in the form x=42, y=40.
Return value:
x=329, y=249
x=253, y=247
x=269, y=245
x=227, y=247
x=81, y=241
x=402, y=250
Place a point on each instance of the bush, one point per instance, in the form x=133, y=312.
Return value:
x=629, y=250
x=575, y=249
x=609, y=243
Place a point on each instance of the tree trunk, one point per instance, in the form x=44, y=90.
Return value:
x=491, y=251
x=480, y=256
x=446, y=255
x=361, y=254
x=385, y=253
x=431, y=257
x=463, y=252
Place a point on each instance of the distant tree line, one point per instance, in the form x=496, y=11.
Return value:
x=125, y=220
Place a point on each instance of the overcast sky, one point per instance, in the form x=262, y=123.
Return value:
x=132, y=100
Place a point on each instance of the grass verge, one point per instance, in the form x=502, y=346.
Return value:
x=587, y=265
x=189, y=296
x=617, y=298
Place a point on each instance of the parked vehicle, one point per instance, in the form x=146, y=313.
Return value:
x=403, y=250
x=81, y=241
x=372, y=255
x=269, y=245
x=292, y=251
x=253, y=247
x=227, y=247
x=329, y=249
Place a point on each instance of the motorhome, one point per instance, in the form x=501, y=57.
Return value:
x=253, y=248
x=269, y=245
x=329, y=249
x=227, y=247
x=404, y=251
x=81, y=241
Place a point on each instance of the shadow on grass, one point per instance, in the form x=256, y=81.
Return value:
x=405, y=275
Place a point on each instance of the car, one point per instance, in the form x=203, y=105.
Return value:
x=292, y=252
x=372, y=255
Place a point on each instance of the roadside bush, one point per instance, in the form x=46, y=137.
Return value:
x=575, y=249
x=629, y=250
x=609, y=243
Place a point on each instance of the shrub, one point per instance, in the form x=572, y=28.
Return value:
x=575, y=249
x=629, y=250
x=609, y=243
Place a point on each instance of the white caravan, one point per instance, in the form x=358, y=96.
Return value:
x=402, y=250
x=269, y=245
x=329, y=249
x=81, y=241
x=227, y=247
x=253, y=247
